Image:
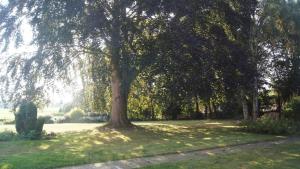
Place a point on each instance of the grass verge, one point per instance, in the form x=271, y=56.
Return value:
x=278, y=157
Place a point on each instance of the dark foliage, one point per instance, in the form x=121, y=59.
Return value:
x=292, y=109
x=267, y=125
x=27, y=123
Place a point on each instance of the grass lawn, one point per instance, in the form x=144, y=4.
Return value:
x=151, y=138
x=278, y=157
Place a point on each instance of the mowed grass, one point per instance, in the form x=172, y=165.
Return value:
x=148, y=139
x=277, y=157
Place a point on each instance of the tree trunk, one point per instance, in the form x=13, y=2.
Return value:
x=215, y=115
x=244, y=105
x=255, y=100
x=119, y=103
x=210, y=109
x=254, y=55
x=119, y=79
x=152, y=110
x=279, y=105
x=205, y=111
x=197, y=104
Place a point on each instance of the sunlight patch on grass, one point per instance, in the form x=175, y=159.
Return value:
x=124, y=138
x=189, y=145
x=231, y=126
x=141, y=147
x=207, y=138
x=44, y=146
x=281, y=137
x=5, y=166
x=215, y=123
x=210, y=153
x=253, y=163
x=291, y=154
x=98, y=142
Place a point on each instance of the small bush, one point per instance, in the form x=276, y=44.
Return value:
x=27, y=124
x=26, y=117
x=7, y=136
x=39, y=125
x=267, y=125
x=33, y=135
x=292, y=109
x=76, y=115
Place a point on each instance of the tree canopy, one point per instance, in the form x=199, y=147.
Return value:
x=167, y=56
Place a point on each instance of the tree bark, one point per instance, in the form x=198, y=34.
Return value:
x=215, y=115
x=205, y=111
x=119, y=117
x=197, y=104
x=210, y=109
x=255, y=100
x=244, y=105
x=279, y=105
x=254, y=56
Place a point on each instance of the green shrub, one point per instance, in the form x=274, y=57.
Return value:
x=39, y=125
x=32, y=135
x=27, y=124
x=76, y=115
x=26, y=117
x=267, y=125
x=292, y=109
x=7, y=136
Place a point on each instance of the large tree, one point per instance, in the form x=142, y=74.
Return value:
x=124, y=31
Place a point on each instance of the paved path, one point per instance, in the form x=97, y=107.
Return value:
x=144, y=161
